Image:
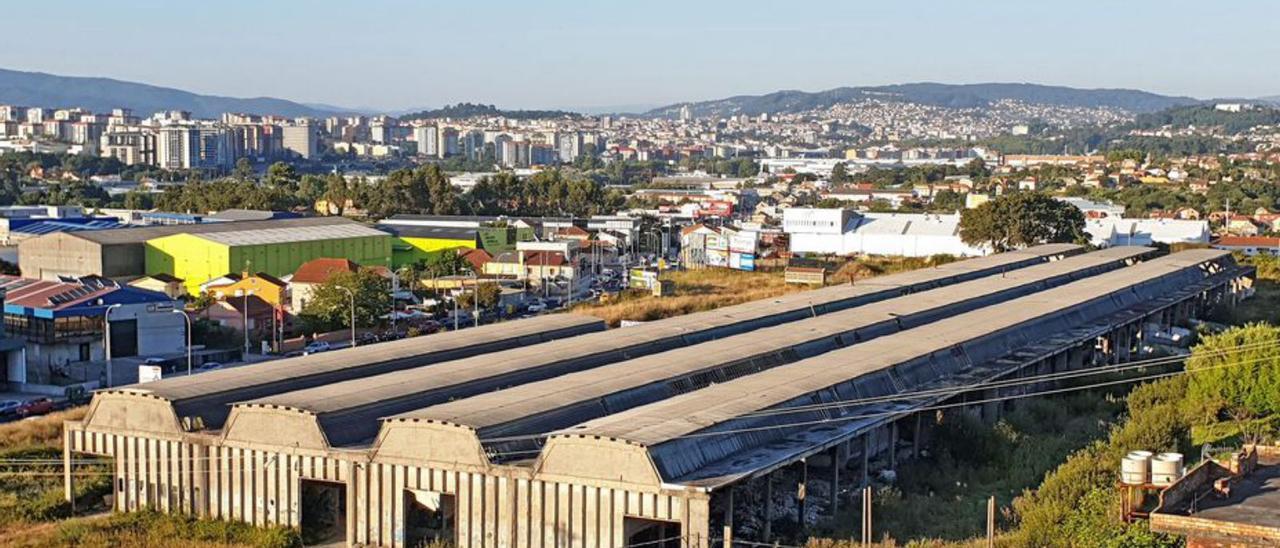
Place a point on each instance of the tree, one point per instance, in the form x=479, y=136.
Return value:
x=330, y=304
x=839, y=173
x=489, y=293
x=1236, y=373
x=138, y=200
x=282, y=175
x=1020, y=220
x=243, y=170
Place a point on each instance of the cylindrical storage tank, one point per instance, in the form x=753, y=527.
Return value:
x=1135, y=468
x=1166, y=468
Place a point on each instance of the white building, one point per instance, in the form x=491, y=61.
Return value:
x=1111, y=231
x=845, y=232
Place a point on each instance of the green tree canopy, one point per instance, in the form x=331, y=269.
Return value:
x=1237, y=371
x=330, y=304
x=1021, y=219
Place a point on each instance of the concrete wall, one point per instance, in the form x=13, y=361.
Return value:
x=51, y=255
x=500, y=506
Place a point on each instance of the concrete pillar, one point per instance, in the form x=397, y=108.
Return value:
x=836, y=462
x=893, y=445
x=915, y=436
x=866, y=460
x=768, y=507
x=68, y=479
x=802, y=494
x=200, y=466
x=728, y=519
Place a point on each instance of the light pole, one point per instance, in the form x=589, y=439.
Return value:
x=184, y=315
x=106, y=343
x=245, y=321
x=353, y=314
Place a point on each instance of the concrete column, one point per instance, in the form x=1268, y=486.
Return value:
x=836, y=462
x=768, y=507
x=866, y=460
x=68, y=479
x=802, y=494
x=893, y=445
x=915, y=436
x=728, y=519
x=200, y=466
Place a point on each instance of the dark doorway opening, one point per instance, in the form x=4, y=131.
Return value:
x=652, y=533
x=324, y=512
x=429, y=517
x=124, y=338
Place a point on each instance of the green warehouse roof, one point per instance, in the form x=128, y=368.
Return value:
x=291, y=234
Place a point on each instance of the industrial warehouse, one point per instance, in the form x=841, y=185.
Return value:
x=553, y=431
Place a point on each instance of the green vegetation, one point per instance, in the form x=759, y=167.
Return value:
x=330, y=304
x=1021, y=219
x=150, y=528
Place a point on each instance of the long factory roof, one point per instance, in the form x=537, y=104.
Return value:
x=138, y=235
x=205, y=396
x=347, y=413
x=551, y=404
x=699, y=437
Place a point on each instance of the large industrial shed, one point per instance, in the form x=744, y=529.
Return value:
x=425, y=475
x=120, y=252
x=198, y=258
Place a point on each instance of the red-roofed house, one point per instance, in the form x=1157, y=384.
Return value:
x=313, y=273
x=1249, y=245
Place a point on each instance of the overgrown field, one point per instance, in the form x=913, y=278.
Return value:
x=708, y=288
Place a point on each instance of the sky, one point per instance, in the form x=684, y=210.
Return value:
x=401, y=54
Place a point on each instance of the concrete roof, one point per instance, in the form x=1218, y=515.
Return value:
x=207, y=395
x=348, y=411
x=885, y=365
x=543, y=406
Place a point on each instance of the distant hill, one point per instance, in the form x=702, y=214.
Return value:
x=103, y=94
x=946, y=95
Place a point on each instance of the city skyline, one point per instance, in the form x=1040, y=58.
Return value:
x=389, y=56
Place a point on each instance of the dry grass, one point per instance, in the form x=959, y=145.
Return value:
x=705, y=289
x=695, y=291
x=37, y=432
x=148, y=529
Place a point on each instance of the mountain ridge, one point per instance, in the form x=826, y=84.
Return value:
x=101, y=94
x=931, y=93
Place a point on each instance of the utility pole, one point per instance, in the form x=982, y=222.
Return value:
x=106, y=320
x=991, y=522
x=866, y=516
x=352, y=295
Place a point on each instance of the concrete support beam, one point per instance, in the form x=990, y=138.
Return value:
x=802, y=494
x=728, y=519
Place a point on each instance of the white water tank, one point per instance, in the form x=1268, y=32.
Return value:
x=1135, y=468
x=1166, y=468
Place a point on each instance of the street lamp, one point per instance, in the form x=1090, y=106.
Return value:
x=353, y=314
x=106, y=320
x=188, y=319
x=245, y=322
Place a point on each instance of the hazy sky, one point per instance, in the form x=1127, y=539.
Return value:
x=546, y=53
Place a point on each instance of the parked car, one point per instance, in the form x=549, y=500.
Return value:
x=9, y=407
x=38, y=406
x=294, y=354
x=210, y=366
x=318, y=346
x=536, y=307
x=366, y=338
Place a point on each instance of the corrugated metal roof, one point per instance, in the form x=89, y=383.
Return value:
x=286, y=235
x=665, y=425
x=543, y=406
x=354, y=406
x=206, y=395
x=142, y=234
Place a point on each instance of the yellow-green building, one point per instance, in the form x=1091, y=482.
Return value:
x=197, y=258
x=417, y=243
